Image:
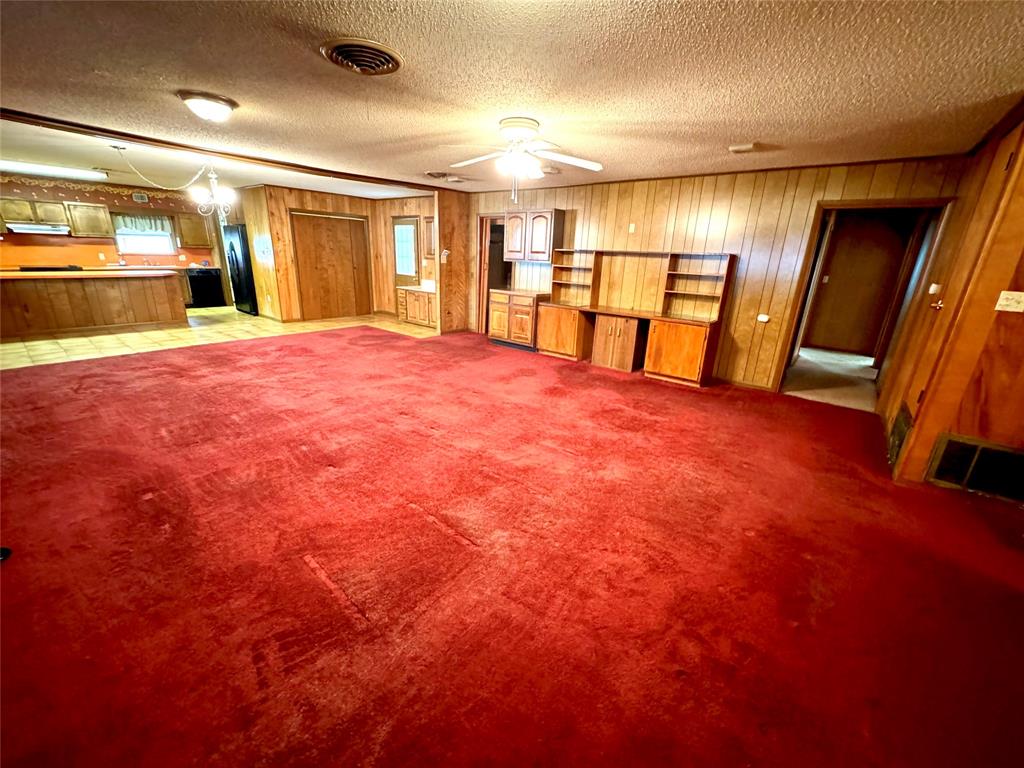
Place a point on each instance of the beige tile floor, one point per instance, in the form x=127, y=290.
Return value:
x=838, y=378
x=205, y=326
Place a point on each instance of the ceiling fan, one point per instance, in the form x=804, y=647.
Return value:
x=521, y=159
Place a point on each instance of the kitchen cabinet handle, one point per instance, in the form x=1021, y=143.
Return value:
x=609, y=330
x=618, y=331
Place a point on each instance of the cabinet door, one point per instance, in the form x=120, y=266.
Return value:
x=538, y=235
x=624, y=357
x=604, y=341
x=515, y=236
x=520, y=325
x=89, y=220
x=419, y=303
x=192, y=231
x=51, y=213
x=17, y=211
x=498, y=326
x=431, y=316
x=557, y=330
x=676, y=350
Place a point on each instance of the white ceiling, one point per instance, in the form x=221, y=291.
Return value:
x=165, y=167
x=648, y=88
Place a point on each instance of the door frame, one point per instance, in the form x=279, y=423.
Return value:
x=294, y=261
x=483, y=239
x=418, y=257
x=793, y=322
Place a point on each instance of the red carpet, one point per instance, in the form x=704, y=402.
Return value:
x=354, y=548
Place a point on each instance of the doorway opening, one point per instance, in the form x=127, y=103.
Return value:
x=495, y=272
x=866, y=268
x=332, y=265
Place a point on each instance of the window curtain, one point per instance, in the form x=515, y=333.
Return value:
x=138, y=224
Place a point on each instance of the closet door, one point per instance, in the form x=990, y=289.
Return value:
x=332, y=266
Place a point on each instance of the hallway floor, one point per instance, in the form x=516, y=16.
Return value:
x=838, y=378
x=205, y=326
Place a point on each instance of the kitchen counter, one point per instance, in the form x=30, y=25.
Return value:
x=418, y=288
x=104, y=273
x=33, y=303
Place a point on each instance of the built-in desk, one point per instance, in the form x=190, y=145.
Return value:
x=676, y=349
x=43, y=302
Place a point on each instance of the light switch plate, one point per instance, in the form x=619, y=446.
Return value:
x=444, y=256
x=1010, y=301
x=763, y=318
x=934, y=288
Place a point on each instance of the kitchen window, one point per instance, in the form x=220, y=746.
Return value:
x=144, y=235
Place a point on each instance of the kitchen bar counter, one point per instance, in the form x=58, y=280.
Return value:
x=103, y=273
x=33, y=303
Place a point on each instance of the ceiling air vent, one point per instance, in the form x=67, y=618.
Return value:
x=364, y=57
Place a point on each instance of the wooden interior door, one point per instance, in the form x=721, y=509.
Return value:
x=515, y=235
x=332, y=265
x=538, y=234
x=857, y=281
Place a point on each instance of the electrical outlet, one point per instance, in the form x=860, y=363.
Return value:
x=632, y=228
x=763, y=318
x=103, y=256
x=182, y=257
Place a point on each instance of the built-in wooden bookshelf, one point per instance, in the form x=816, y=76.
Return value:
x=575, y=276
x=695, y=285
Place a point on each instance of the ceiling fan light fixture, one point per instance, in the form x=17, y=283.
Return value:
x=519, y=164
x=208, y=106
x=516, y=129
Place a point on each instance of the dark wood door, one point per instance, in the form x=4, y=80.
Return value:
x=333, y=266
x=624, y=354
x=857, y=281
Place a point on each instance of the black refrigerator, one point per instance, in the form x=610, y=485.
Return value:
x=236, y=243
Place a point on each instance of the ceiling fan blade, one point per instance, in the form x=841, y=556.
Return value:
x=558, y=157
x=533, y=146
x=480, y=159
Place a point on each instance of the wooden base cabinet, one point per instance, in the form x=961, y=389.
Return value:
x=417, y=307
x=563, y=332
x=512, y=316
x=618, y=342
x=681, y=351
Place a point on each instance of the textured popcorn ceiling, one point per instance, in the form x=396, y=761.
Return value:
x=648, y=88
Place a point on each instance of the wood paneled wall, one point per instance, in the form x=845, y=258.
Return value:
x=268, y=219
x=766, y=218
x=455, y=282
x=382, y=245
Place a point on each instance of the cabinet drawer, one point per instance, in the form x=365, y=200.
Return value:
x=499, y=298
x=523, y=301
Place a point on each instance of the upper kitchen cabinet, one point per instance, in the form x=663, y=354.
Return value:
x=192, y=231
x=89, y=220
x=15, y=211
x=51, y=213
x=515, y=236
x=532, y=235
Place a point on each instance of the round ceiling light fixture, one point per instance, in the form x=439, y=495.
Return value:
x=208, y=106
x=362, y=56
x=517, y=129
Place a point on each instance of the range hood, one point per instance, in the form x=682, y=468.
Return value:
x=39, y=229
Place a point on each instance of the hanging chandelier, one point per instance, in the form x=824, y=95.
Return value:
x=208, y=200
x=215, y=198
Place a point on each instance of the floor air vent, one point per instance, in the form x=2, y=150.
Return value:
x=963, y=463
